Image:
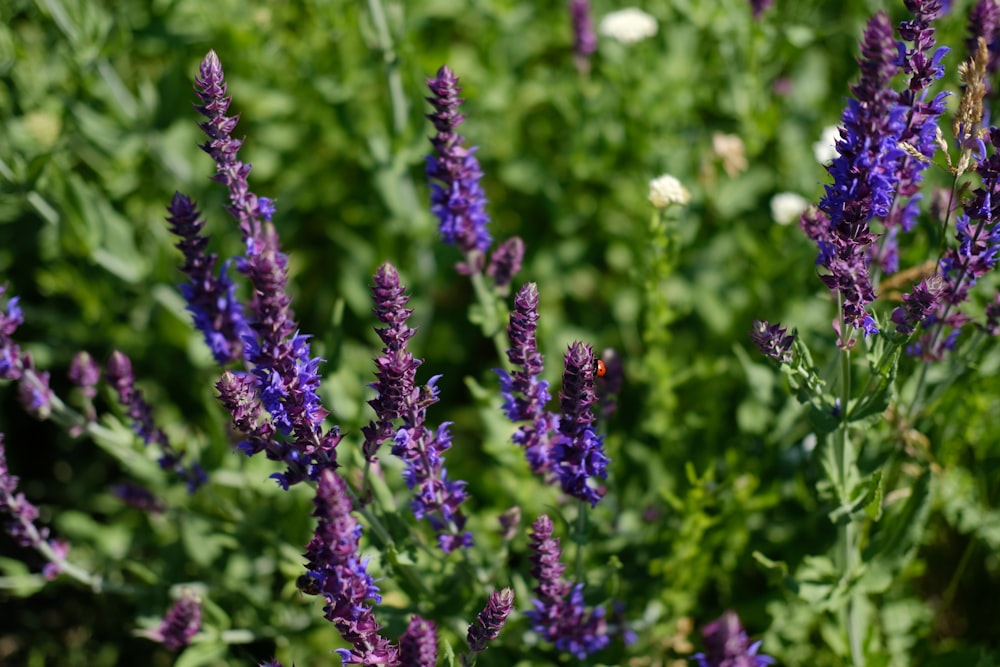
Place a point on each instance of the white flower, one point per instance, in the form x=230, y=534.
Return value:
x=786, y=207
x=667, y=190
x=825, y=149
x=628, y=25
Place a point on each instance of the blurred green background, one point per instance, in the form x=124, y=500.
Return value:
x=708, y=463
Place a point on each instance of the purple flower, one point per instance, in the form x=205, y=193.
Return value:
x=284, y=375
x=584, y=37
x=505, y=263
x=122, y=380
x=22, y=516
x=10, y=353
x=559, y=614
x=961, y=266
x=772, y=340
x=918, y=304
x=180, y=624
x=758, y=7
x=992, y=323
x=396, y=368
x=85, y=373
x=212, y=301
x=490, y=620
x=922, y=62
x=33, y=389
x=418, y=645
x=727, y=645
x=139, y=497
x=984, y=21
x=865, y=174
x=577, y=452
x=457, y=198
x=341, y=576
x=525, y=394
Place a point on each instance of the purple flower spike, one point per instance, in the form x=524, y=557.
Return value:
x=139, y=497
x=559, y=614
x=984, y=21
x=85, y=373
x=181, y=623
x=506, y=262
x=396, y=368
x=865, y=174
x=919, y=304
x=457, y=198
x=22, y=516
x=584, y=37
x=284, y=374
x=759, y=6
x=491, y=620
x=727, y=645
x=341, y=576
x=578, y=453
x=10, y=354
x=418, y=645
x=772, y=341
x=122, y=380
x=211, y=300
x=525, y=394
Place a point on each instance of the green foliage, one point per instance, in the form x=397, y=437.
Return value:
x=724, y=491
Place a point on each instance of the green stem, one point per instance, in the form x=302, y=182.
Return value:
x=396, y=93
x=492, y=314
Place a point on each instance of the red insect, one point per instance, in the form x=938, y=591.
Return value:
x=599, y=368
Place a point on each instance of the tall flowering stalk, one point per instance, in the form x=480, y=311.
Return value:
x=284, y=378
x=180, y=624
x=341, y=576
x=211, y=299
x=122, y=380
x=578, y=452
x=20, y=522
x=525, y=393
x=488, y=624
x=560, y=614
x=457, y=198
x=922, y=62
x=399, y=400
x=864, y=178
x=584, y=37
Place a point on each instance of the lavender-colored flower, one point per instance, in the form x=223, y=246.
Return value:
x=22, y=516
x=181, y=622
x=727, y=645
x=584, y=37
x=122, y=380
x=33, y=389
x=418, y=645
x=342, y=576
x=212, y=301
x=559, y=614
x=85, y=373
x=457, y=198
x=285, y=374
x=509, y=521
x=139, y=497
x=505, y=262
x=578, y=452
x=992, y=323
x=772, y=340
x=865, y=173
x=436, y=498
x=525, y=394
x=490, y=620
x=984, y=21
x=918, y=304
x=10, y=354
x=975, y=254
x=758, y=7
x=922, y=62
x=396, y=368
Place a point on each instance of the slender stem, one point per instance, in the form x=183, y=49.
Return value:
x=581, y=527
x=396, y=93
x=492, y=313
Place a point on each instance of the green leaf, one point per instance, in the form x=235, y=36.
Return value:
x=867, y=497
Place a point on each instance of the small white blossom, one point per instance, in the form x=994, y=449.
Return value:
x=825, y=149
x=667, y=190
x=628, y=25
x=786, y=207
